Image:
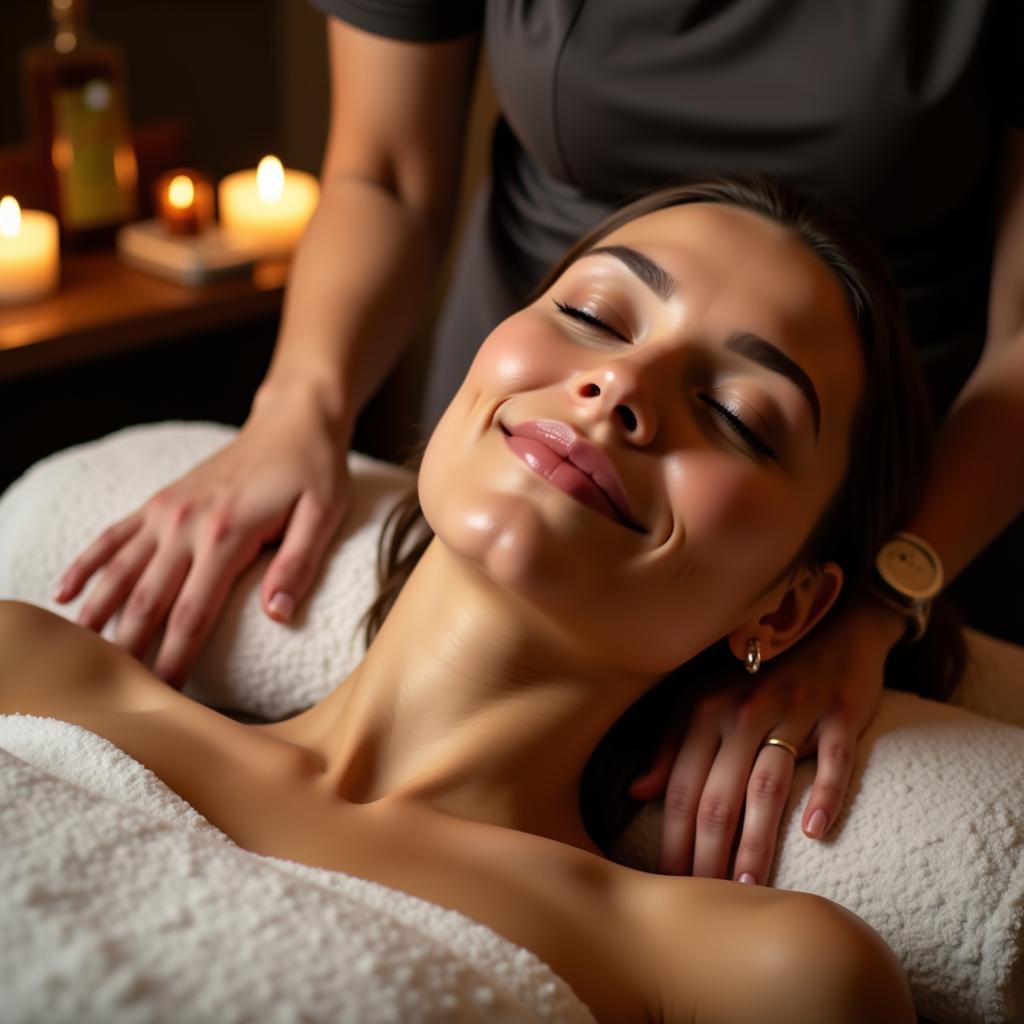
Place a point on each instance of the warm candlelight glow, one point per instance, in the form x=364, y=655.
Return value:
x=10, y=217
x=181, y=193
x=270, y=179
x=266, y=210
x=183, y=199
x=29, y=252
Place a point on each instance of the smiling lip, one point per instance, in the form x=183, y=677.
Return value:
x=597, y=482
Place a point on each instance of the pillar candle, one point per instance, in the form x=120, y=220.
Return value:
x=29, y=252
x=267, y=208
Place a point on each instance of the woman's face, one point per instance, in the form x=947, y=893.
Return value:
x=705, y=373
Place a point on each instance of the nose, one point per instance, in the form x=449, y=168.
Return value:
x=620, y=390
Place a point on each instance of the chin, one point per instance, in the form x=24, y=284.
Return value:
x=505, y=535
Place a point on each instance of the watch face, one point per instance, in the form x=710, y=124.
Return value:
x=910, y=567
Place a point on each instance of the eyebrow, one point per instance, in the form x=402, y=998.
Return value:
x=655, y=276
x=745, y=343
x=755, y=348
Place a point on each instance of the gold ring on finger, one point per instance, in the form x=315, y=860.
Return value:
x=775, y=741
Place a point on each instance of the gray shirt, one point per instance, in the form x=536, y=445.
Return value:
x=888, y=109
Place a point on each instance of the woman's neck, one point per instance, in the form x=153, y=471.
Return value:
x=471, y=701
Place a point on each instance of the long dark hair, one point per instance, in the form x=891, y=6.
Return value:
x=887, y=467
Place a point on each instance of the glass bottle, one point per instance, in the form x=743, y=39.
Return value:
x=78, y=116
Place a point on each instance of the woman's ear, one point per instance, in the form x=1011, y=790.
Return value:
x=808, y=596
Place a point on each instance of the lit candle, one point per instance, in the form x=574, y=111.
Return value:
x=29, y=252
x=184, y=202
x=267, y=209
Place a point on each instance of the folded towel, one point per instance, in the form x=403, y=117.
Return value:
x=119, y=902
x=929, y=848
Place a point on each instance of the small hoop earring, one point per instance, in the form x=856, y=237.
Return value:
x=753, y=662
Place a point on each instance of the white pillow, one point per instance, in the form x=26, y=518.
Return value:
x=929, y=848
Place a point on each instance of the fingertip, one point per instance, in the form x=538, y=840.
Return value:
x=816, y=826
x=281, y=606
x=66, y=588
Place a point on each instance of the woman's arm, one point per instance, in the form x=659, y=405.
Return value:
x=358, y=286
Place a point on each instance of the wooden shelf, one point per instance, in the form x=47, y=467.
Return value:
x=104, y=307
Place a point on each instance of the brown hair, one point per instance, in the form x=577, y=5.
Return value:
x=887, y=468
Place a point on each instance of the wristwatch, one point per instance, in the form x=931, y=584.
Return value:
x=908, y=574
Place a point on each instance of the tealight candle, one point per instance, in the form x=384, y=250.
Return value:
x=29, y=252
x=184, y=201
x=267, y=209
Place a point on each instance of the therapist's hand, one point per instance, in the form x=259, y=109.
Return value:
x=175, y=559
x=820, y=697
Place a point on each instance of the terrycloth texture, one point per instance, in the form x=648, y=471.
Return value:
x=930, y=846
x=120, y=903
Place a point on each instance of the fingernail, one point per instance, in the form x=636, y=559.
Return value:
x=282, y=605
x=748, y=879
x=816, y=826
x=58, y=592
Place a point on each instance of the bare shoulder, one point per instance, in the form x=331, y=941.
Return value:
x=719, y=950
x=831, y=965
x=48, y=664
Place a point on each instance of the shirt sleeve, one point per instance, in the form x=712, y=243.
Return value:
x=1009, y=43
x=420, y=21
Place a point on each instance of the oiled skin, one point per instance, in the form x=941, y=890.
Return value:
x=633, y=946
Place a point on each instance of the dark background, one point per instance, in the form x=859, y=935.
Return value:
x=248, y=77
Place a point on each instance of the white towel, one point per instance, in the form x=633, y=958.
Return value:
x=119, y=903
x=929, y=847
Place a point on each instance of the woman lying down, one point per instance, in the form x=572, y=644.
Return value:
x=674, y=447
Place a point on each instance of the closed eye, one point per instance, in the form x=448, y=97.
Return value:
x=738, y=426
x=588, y=318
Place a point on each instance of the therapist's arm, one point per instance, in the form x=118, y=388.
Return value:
x=976, y=488
x=358, y=287
x=368, y=261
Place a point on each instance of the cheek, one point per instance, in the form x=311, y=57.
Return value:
x=738, y=520
x=520, y=354
x=523, y=352
x=715, y=495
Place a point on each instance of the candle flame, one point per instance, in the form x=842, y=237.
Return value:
x=10, y=217
x=270, y=179
x=181, y=192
